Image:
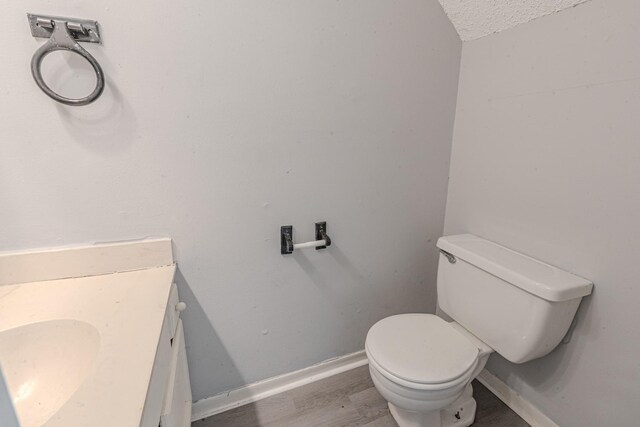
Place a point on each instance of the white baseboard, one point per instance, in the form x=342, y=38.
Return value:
x=272, y=386
x=515, y=401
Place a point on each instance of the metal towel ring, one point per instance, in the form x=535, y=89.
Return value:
x=64, y=34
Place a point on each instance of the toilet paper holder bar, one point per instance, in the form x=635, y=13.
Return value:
x=286, y=239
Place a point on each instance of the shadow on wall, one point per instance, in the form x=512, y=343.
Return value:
x=317, y=275
x=202, y=340
x=107, y=125
x=552, y=372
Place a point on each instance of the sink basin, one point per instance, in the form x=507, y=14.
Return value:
x=44, y=363
x=81, y=351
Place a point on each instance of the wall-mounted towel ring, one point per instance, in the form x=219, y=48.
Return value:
x=64, y=34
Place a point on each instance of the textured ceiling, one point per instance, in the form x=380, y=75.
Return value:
x=477, y=18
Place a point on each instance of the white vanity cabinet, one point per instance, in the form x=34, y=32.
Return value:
x=168, y=402
x=110, y=315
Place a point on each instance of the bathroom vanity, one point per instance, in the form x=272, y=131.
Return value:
x=103, y=346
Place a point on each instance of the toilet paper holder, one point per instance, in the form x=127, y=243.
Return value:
x=286, y=239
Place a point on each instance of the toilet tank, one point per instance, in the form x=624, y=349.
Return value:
x=519, y=306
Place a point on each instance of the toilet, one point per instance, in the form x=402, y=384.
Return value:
x=499, y=300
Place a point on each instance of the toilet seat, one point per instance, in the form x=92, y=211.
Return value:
x=421, y=351
x=465, y=377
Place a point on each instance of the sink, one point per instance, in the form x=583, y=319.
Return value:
x=44, y=363
x=81, y=351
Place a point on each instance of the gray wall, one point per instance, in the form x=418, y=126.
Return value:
x=546, y=160
x=222, y=121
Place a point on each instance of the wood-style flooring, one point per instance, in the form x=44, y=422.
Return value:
x=348, y=399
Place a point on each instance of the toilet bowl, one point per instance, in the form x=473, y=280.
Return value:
x=423, y=367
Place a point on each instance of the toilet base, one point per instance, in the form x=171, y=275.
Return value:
x=461, y=413
x=406, y=418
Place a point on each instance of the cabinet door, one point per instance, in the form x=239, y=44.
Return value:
x=177, y=403
x=154, y=403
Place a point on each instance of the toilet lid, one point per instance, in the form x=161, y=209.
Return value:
x=420, y=348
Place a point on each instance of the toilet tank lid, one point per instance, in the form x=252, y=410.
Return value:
x=536, y=277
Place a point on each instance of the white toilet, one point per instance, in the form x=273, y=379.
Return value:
x=500, y=300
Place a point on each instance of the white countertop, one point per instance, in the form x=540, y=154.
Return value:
x=127, y=309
